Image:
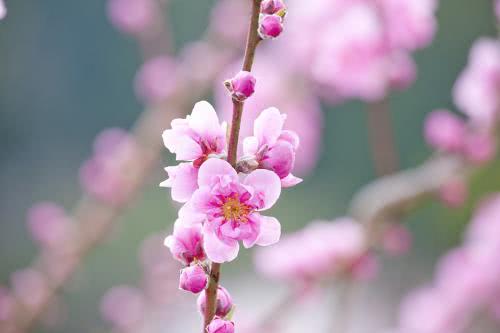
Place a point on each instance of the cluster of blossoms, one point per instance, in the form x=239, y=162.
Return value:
x=222, y=207
x=272, y=14
x=359, y=49
x=476, y=93
x=3, y=10
x=466, y=282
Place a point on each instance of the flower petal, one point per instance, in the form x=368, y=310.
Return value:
x=268, y=126
x=250, y=145
x=183, y=179
x=290, y=181
x=267, y=187
x=218, y=251
x=212, y=169
x=270, y=231
x=204, y=120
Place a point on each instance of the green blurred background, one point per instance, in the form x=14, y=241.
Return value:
x=66, y=74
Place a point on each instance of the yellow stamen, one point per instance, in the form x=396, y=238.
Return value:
x=233, y=209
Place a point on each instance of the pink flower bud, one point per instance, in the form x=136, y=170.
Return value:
x=270, y=26
x=219, y=325
x=193, y=279
x=49, y=225
x=224, y=302
x=241, y=86
x=271, y=7
x=480, y=148
x=445, y=131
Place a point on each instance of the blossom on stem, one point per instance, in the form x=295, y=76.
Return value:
x=195, y=139
x=241, y=86
x=193, y=279
x=445, y=131
x=229, y=209
x=223, y=306
x=186, y=244
x=272, y=147
x=271, y=7
x=49, y=225
x=219, y=325
x=480, y=147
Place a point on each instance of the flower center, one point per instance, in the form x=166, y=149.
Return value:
x=234, y=210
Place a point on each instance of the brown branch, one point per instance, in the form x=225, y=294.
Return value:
x=253, y=40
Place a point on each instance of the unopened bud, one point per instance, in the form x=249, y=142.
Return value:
x=219, y=325
x=193, y=279
x=241, y=86
x=224, y=302
x=270, y=26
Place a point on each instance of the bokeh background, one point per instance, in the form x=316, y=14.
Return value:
x=66, y=74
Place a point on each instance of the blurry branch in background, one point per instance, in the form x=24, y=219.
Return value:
x=94, y=218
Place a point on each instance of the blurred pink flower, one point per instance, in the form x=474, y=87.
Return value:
x=156, y=80
x=7, y=304
x=402, y=71
x=229, y=209
x=186, y=244
x=49, y=225
x=193, y=279
x=124, y=307
x=132, y=16
x=3, y=10
x=397, y=240
x=272, y=147
x=353, y=59
x=226, y=19
x=224, y=302
x=365, y=269
x=476, y=91
x=30, y=287
x=102, y=175
x=454, y=193
x=320, y=250
x=444, y=131
x=195, y=138
x=410, y=24
x=219, y=325
x=287, y=93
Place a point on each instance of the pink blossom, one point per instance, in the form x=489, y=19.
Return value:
x=402, y=71
x=226, y=19
x=270, y=26
x=365, y=269
x=241, y=86
x=193, y=279
x=476, y=90
x=318, y=251
x=219, y=325
x=124, y=307
x=272, y=147
x=224, y=302
x=195, y=138
x=132, y=16
x=186, y=244
x=353, y=59
x=156, y=79
x=445, y=131
x=397, y=240
x=229, y=209
x=3, y=10
x=480, y=147
x=454, y=193
x=410, y=24
x=287, y=93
